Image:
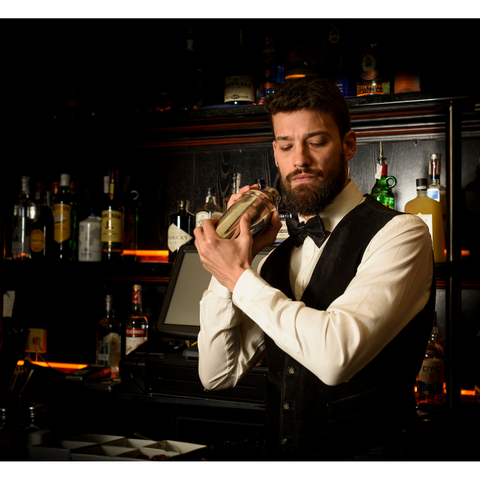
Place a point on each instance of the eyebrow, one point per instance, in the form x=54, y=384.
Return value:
x=308, y=135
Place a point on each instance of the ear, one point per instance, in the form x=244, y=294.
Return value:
x=350, y=145
x=275, y=152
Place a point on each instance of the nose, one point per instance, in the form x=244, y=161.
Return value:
x=301, y=158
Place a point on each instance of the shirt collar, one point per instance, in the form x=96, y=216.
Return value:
x=343, y=203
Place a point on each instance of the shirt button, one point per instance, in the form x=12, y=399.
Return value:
x=291, y=370
x=241, y=299
x=307, y=257
x=286, y=406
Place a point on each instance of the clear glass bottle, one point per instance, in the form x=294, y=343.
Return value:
x=112, y=223
x=430, y=212
x=136, y=326
x=235, y=185
x=89, y=239
x=24, y=212
x=109, y=339
x=180, y=231
x=62, y=221
x=210, y=209
x=41, y=236
x=430, y=390
x=239, y=87
x=382, y=190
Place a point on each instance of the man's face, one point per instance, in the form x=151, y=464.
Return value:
x=312, y=159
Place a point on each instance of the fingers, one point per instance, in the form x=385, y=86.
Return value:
x=235, y=197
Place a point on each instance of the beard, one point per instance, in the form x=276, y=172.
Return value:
x=307, y=199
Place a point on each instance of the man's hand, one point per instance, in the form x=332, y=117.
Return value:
x=226, y=259
x=268, y=236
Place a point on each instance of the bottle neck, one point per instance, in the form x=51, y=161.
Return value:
x=421, y=192
x=211, y=199
x=137, y=309
x=110, y=314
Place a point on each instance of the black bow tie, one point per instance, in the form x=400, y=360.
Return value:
x=313, y=228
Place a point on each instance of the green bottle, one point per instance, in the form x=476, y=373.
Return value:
x=382, y=190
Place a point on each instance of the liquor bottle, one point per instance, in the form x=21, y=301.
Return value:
x=74, y=196
x=372, y=76
x=430, y=212
x=239, y=87
x=431, y=376
x=112, y=223
x=471, y=212
x=272, y=72
x=283, y=214
x=132, y=220
x=235, y=185
x=136, y=326
x=382, y=190
x=89, y=239
x=435, y=190
x=180, y=231
x=41, y=237
x=210, y=209
x=62, y=221
x=109, y=339
x=24, y=212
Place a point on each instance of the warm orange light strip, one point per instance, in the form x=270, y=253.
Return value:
x=71, y=366
x=288, y=77
x=147, y=255
x=468, y=393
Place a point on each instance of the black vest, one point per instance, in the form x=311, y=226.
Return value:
x=307, y=419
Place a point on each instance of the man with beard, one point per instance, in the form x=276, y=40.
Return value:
x=341, y=310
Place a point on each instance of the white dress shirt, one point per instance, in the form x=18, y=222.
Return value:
x=391, y=286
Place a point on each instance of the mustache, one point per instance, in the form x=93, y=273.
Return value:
x=303, y=171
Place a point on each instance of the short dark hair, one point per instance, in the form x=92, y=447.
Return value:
x=315, y=93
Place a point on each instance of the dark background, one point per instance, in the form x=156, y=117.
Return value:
x=125, y=65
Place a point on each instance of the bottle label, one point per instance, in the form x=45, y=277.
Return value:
x=62, y=215
x=132, y=340
x=430, y=377
x=177, y=237
x=37, y=240
x=200, y=217
x=239, y=88
x=89, y=245
x=381, y=170
x=428, y=219
x=283, y=232
x=433, y=193
x=112, y=226
x=109, y=350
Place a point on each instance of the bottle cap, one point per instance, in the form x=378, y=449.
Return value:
x=65, y=180
x=211, y=191
x=422, y=183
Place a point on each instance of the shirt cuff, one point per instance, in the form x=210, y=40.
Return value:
x=247, y=287
x=219, y=290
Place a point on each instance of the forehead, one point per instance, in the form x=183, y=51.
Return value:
x=303, y=122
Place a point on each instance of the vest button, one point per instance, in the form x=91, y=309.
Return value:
x=286, y=406
x=291, y=370
x=283, y=441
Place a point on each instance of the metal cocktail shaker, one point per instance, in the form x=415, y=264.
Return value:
x=260, y=204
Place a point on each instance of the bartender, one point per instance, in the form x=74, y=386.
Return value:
x=342, y=309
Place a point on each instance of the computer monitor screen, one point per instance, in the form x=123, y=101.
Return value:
x=180, y=313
